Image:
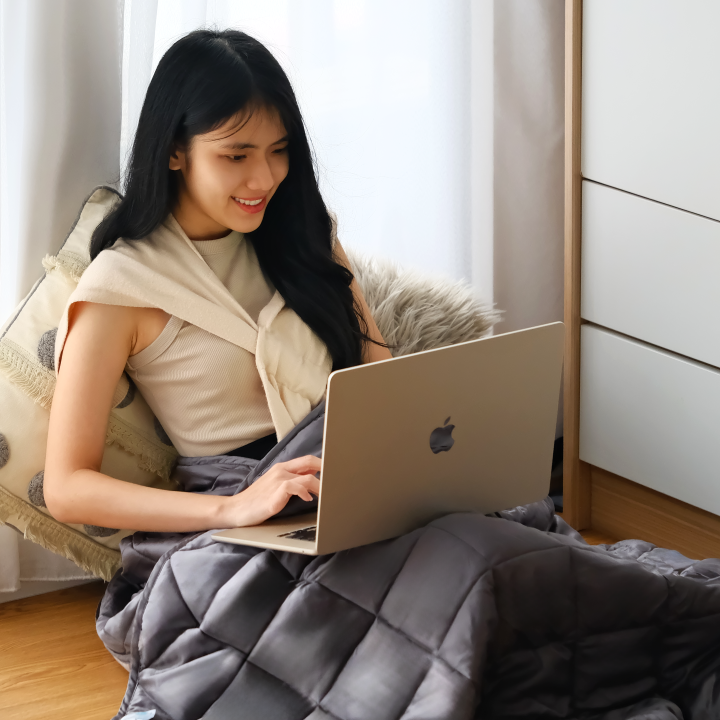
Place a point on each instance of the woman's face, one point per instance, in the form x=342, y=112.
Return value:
x=225, y=170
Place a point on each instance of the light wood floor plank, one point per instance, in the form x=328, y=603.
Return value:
x=52, y=663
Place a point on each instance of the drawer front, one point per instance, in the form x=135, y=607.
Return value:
x=651, y=99
x=652, y=272
x=651, y=417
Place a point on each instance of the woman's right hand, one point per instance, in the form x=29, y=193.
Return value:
x=270, y=493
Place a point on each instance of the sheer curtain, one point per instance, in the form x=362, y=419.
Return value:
x=384, y=88
x=438, y=127
x=59, y=137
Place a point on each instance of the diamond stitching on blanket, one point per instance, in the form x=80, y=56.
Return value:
x=262, y=576
x=259, y=694
x=442, y=694
x=356, y=578
x=398, y=668
x=456, y=696
x=465, y=626
x=383, y=628
x=217, y=669
x=422, y=646
x=317, y=625
x=201, y=583
x=507, y=563
x=520, y=606
x=432, y=613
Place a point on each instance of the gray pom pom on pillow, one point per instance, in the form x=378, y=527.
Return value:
x=415, y=311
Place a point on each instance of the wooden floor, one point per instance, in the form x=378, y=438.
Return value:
x=52, y=663
x=597, y=538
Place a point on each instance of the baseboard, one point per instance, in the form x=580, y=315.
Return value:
x=624, y=509
x=30, y=588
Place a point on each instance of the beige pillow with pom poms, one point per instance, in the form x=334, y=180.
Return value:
x=137, y=448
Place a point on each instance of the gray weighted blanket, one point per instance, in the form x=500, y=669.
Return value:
x=511, y=616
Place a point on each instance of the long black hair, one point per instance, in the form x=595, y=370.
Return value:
x=205, y=79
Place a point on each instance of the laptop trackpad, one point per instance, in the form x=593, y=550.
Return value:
x=307, y=533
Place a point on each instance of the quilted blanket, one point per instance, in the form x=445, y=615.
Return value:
x=471, y=616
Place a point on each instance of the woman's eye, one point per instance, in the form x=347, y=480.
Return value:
x=235, y=158
x=280, y=150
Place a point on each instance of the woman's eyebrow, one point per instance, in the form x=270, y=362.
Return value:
x=243, y=146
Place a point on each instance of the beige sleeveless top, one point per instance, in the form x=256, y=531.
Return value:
x=233, y=363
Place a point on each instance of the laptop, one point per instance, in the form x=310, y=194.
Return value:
x=469, y=427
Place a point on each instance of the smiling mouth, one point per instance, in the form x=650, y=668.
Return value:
x=251, y=206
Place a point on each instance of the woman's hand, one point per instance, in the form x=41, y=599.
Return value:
x=271, y=491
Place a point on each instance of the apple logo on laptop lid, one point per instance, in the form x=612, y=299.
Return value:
x=441, y=439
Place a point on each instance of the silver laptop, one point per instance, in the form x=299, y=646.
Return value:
x=468, y=427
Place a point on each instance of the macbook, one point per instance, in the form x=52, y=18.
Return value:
x=469, y=427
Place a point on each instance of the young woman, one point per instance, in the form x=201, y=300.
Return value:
x=220, y=163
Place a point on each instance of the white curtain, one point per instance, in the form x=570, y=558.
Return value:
x=438, y=126
x=384, y=88
x=59, y=137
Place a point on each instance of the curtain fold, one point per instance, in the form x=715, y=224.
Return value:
x=529, y=163
x=529, y=133
x=438, y=128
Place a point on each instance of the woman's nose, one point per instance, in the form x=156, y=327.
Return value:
x=261, y=177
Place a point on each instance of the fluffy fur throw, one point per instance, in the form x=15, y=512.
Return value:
x=417, y=312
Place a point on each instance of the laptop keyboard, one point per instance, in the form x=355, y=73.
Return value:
x=307, y=533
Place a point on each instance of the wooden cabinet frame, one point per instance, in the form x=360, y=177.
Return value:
x=594, y=498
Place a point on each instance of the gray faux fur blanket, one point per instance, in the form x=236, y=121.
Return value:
x=415, y=312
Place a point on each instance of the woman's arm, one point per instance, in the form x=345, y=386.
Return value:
x=371, y=351
x=100, y=339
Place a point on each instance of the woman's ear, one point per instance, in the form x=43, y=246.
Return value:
x=177, y=160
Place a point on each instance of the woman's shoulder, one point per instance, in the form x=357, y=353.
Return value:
x=128, y=257
x=121, y=281
x=126, y=269
x=108, y=262
x=137, y=247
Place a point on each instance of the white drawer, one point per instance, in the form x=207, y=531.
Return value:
x=651, y=99
x=650, y=417
x=651, y=271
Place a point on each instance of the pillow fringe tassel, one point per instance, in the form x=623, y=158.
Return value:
x=87, y=554
x=150, y=457
x=66, y=263
x=33, y=379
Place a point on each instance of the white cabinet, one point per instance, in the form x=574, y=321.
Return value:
x=651, y=417
x=643, y=270
x=651, y=99
x=651, y=271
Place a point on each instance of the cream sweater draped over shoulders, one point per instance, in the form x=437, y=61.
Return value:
x=200, y=394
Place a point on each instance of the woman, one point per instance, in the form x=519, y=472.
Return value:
x=220, y=163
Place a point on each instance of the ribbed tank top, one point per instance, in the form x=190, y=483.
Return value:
x=207, y=392
x=230, y=366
